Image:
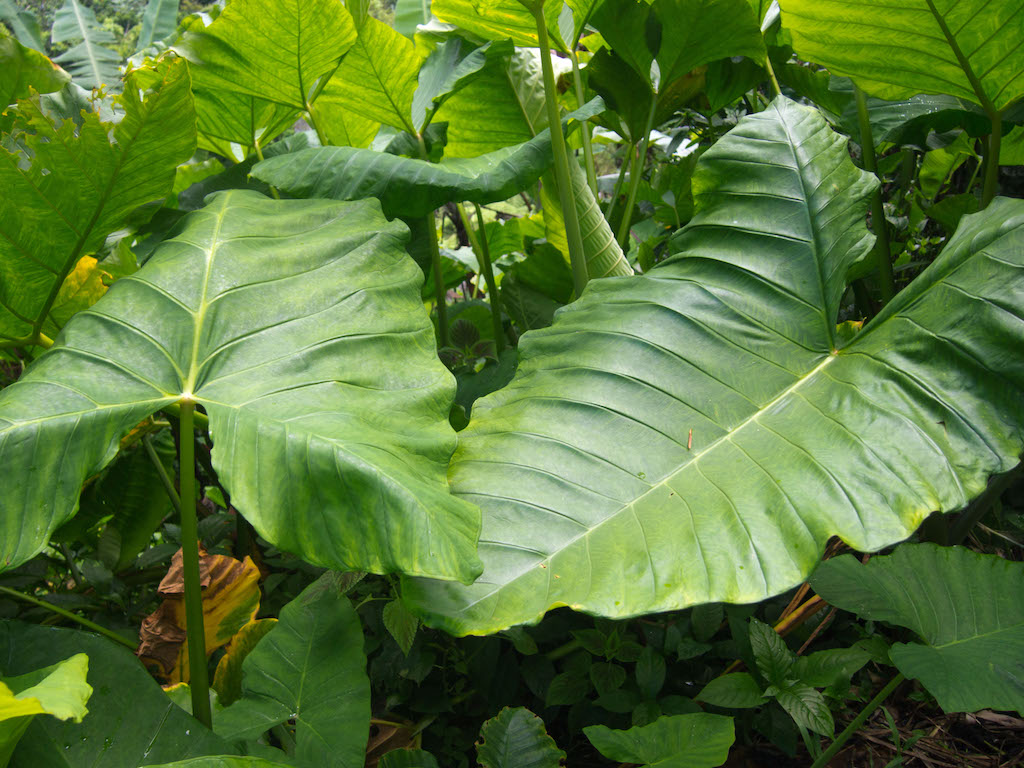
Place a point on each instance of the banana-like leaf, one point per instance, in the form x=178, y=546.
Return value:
x=22, y=68
x=966, y=607
x=502, y=106
x=80, y=186
x=276, y=51
x=410, y=187
x=131, y=721
x=966, y=48
x=311, y=668
x=377, y=78
x=603, y=254
x=159, y=20
x=696, y=434
x=24, y=25
x=90, y=62
x=282, y=319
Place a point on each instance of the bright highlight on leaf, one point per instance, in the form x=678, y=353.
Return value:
x=734, y=339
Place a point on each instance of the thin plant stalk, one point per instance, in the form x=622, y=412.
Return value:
x=857, y=722
x=776, y=90
x=588, y=148
x=992, y=161
x=483, y=255
x=574, y=236
x=635, y=176
x=259, y=153
x=91, y=625
x=165, y=479
x=617, y=189
x=878, y=223
x=439, y=291
x=194, y=631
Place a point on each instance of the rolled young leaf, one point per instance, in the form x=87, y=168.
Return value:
x=745, y=432
x=298, y=326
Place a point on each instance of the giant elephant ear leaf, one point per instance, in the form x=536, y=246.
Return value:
x=965, y=606
x=745, y=435
x=281, y=319
x=970, y=49
x=79, y=186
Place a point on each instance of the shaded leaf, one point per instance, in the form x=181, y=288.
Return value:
x=737, y=690
x=516, y=739
x=131, y=721
x=964, y=605
x=674, y=741
x=310, y=668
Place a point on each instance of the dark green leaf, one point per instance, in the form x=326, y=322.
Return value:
x=516, y=739
x=964, y=605
x=673, y=741
x=737, y=690
x=774, y=659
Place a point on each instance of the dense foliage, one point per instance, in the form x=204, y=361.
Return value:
x=518, y=374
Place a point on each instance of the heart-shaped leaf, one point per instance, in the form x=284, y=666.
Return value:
x=283, y=320
x=746, y=433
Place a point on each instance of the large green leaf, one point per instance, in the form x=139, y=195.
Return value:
x=448, y=69
x=502, y=106
x=966, y=606
x=131, y=721
x=24, y=25
x=696, y=434
x=678, y=741
x=59, y=690
x=22, y=68
x=410, y=187
x=499, y=19
x=90, y=62
x=284, y=320
x=309, y=668
x=277, y=51
x=377, y=79
x=224, y=761
x=971, y=49
x=80, y=186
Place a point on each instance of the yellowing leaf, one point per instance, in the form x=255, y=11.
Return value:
x=227, y=680
x=231, y=597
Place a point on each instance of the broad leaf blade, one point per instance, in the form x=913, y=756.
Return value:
x=283, y=319
x=377, y=78
x=744, y=439
x=964, y=605
x=970, y=49
x=80, y=187
x=22, y=68
x=311, y=668
x=273, y=51
x=131, y=721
